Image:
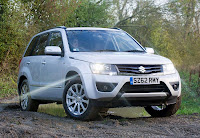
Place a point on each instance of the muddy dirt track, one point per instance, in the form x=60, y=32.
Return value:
x=15, y=123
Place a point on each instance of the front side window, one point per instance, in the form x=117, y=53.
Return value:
x=101, y=40
x=56, y=40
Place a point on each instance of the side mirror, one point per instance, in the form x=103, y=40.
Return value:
x=52, y=50
x=149, y=50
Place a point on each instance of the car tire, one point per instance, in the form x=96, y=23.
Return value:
x=168, y=110
x=76, y=104
x=26, y=103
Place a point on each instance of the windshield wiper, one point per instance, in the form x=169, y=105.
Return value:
x=133, y=51
x=105, y=50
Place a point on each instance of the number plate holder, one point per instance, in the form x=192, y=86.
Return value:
x=144, y=80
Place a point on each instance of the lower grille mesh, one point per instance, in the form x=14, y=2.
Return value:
x=127, y=88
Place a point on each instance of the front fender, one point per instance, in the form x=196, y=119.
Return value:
x=81, y=68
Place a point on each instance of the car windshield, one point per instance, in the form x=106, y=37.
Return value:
x=101, y=41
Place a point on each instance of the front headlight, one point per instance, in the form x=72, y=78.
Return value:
x=169, y=69
x=105, y=69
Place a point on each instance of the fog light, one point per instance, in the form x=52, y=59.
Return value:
x=105, y=87
x=175, y=85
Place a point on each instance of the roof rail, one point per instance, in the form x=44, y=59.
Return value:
x=115, y=28
x=63, y=27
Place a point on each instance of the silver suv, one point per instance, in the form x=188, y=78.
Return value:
x=91, y=69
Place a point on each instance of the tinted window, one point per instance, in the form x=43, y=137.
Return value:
x=56, y=40
x=39, y=49
x=126, y=43
x=30, y=47
x=101, y=40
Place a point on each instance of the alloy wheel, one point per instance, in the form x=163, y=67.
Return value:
x=24, y=96
x=76, y=100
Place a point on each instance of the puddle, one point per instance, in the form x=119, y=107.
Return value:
x=1, y=108
x=12, y=103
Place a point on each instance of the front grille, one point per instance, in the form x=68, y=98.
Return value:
x=139, y=69
x=127, y=88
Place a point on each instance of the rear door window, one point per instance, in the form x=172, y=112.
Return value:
x=31, y=46
x=42, y=43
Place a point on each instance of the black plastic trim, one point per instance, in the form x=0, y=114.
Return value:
x=101, y=86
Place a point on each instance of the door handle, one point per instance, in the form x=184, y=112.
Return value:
x=43, y=62
x=28, y=63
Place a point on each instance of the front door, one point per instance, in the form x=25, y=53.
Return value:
x=52, y=70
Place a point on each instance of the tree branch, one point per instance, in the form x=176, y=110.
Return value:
x=135, y=12
x=99, y=1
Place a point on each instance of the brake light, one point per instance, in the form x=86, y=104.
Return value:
x=19, y=64
x=20, y=61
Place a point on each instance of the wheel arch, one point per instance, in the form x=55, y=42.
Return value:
x=70, y=75
x=23, y=77
x=75, y=73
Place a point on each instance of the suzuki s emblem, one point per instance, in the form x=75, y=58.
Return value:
x=142, y=69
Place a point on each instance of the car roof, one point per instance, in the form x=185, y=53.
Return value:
x=76, y=28
x=91, y=28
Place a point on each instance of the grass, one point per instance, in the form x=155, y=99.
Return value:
x=127, y=112
x=52, y=109
x=8, y=86
x=190, y=94
x=189, y=106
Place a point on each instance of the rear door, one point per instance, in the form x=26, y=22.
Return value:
x=31, y=63
x=35, y=65
x=52, y=69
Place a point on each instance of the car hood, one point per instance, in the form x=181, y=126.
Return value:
x=119, y=58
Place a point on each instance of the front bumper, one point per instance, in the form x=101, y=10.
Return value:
x=164, y=96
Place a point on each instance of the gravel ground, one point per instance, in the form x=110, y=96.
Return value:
x=15, y=123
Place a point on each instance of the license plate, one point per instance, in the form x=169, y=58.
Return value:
x=144, y=80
